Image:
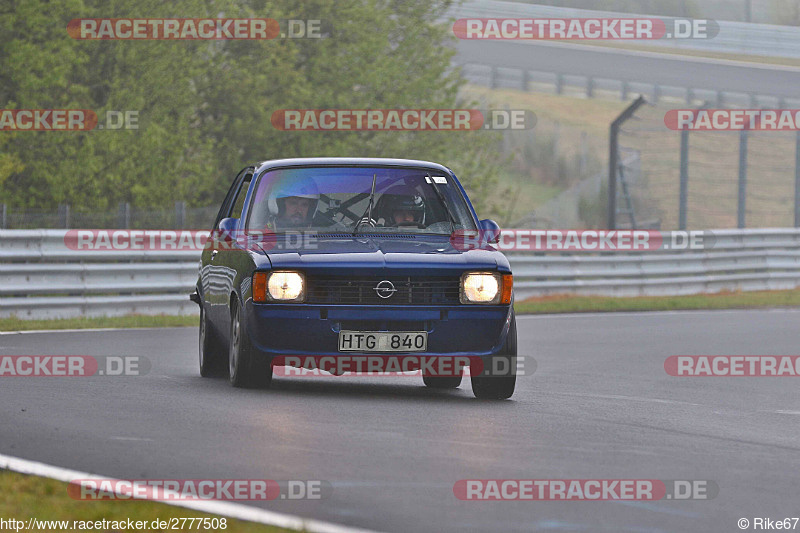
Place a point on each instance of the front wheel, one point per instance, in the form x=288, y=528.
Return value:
x=489, y=387
x=245, y=368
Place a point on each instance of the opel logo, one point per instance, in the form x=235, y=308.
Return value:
x=385, y=289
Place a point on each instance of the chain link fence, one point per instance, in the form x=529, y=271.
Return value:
x=731, y=178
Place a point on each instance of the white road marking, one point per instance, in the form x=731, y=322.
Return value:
x=595, y=314
x=81, y=330
x=232, y=510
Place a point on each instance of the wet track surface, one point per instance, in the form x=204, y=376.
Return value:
x=653, y=68
x=600, y=405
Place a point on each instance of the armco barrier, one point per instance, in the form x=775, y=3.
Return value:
x=41, y=278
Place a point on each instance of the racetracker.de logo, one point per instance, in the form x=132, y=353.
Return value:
x=583, y=489
x=198, y=489
x=66, y=120
x=626, y=28
x=733, y=119
x=531, y=240
x=125, y=240
x=47, y=119
x=398, y=366
x=733, y=365
x=172, y=29
x=98, y=240
x=195, y=29
x=402, y=119
x=72, y=365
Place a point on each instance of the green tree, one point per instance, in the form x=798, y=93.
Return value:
x=205, y=106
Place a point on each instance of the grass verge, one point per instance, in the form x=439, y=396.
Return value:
x=558, y=303
x=723, y=300
x=581, y=127
x=26, y=497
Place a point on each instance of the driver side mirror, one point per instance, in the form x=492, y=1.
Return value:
x=227, y=229
x=491, y=231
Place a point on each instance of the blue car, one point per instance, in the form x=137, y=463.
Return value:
x=354, y=257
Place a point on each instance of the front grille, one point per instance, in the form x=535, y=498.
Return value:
x=409, y=291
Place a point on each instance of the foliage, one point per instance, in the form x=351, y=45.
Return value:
x=205, y=106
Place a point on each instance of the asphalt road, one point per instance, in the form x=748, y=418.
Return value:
x=649, y=68
x=599, y=406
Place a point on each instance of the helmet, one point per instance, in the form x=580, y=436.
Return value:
x=400, y=198
x=287, y=186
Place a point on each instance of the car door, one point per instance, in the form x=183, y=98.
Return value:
x=216, y=276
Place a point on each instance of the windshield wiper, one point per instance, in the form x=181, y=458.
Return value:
x=368, y=212
x=440, y=196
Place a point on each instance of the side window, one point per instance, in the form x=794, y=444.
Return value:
x=238, y=204
x=232, y=196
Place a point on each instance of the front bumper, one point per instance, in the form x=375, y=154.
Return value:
x=308, y=329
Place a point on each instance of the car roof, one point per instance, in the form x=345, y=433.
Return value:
x=347, y=161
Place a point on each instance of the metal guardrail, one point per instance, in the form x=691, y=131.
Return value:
x=614, y=89
x=41, y=278
x=734, y=37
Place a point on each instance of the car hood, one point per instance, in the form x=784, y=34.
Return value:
x=381, y=254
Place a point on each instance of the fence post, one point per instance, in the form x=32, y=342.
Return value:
x=557, y=139
x=180, y=214
x=525, y=80
x=4, y=222
x=559, y=83
x=684, y=188
x=584, y=156
x=124, y=216
x=494, y=75
x=613, y=158
x=589, y=87
x=624, y=90
x=740, y=216
x=63, y=215
x=797, y=180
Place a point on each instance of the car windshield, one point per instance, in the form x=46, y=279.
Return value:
x=337, y=200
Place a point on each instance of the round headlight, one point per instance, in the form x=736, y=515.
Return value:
x=286, y=286
x=480, y=287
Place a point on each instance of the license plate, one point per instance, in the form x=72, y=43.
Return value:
x=383, y=341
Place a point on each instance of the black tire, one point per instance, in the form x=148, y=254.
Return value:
x=487, y=387
x=442, y=382
x=244, y=368
x=212, y=353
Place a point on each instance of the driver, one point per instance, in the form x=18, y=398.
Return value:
x=293, y=202
x=401, y=205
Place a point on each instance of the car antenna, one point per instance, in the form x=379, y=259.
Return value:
x=369, y=207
